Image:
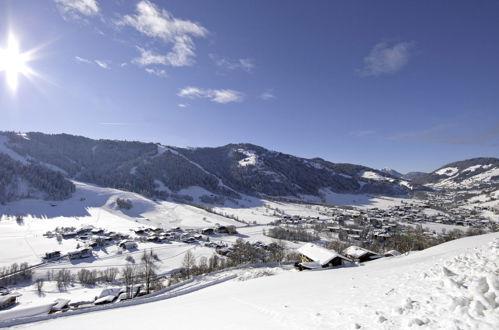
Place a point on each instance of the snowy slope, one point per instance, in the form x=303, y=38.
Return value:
x=450, y=286
x=466, y=174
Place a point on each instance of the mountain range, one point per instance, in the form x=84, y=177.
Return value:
x=159, y=171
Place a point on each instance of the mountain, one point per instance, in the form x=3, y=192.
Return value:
x=413, y=175
x=467, y=174
x=155, y=170
x=392, y=172
x=18, y=180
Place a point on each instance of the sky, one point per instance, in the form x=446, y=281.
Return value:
x=410, y=85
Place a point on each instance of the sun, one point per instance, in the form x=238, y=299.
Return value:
x=14, y=62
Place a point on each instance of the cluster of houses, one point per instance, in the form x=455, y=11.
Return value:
x=94, y=238
x=313, y=256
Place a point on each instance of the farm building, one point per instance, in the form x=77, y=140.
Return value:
x=314, y=256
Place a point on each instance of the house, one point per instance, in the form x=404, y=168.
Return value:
x=78, y=254
x=108, y=296
x=391, y=253
x=359, y=254
x=52, y=255
x=128, y=245
x=8, y=300
x=208, y=231
x=227, y=230
x=313, y=256
x=60, y=305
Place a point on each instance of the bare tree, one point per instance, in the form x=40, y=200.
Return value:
x=39, y=286
x=148, y=268
x=129, y=275
x=188, y=263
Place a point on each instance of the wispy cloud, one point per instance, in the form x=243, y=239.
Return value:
x=157, y=72
x=362, y=133
x=99, y=63
x=214, y=95
x=244, y=64
x=76, y=9
x=102, y=64
x=182, y=105
x=82, y=60
x=267, y=95
x=159, y=23
x=384, y=59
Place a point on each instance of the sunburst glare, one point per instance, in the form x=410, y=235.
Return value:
x=14, y=62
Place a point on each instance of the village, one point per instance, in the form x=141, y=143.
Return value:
x=341, y=236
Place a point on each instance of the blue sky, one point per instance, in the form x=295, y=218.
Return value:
x=410, y=85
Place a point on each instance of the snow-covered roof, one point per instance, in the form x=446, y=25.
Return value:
x=357, y=252
x=318, y=253
x=392, y=253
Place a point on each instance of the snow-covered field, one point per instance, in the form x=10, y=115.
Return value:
x=451, y=286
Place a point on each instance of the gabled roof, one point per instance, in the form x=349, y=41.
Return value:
x=318, y=253
x=357, y=252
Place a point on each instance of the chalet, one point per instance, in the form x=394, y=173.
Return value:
x=8, y=300
x=69, y=234
x=60, y=305
x=52, y=255
x=227, y=230
x=128, y=245
x=208, y=231
x=391, y=253
x=79, y=254
x=359, y=254
x=313, y=256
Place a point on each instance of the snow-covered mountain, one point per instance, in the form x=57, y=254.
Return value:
x=392, y=172
x=413, y=175
x=467, y=174
x=161, y=171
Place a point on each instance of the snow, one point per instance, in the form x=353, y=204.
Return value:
x=318, y=253
x=6, y=150
x=449, y=171
x=250, y=160
x=450, y=286
x=372, y=176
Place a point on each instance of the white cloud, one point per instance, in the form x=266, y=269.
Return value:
x=157, y=72
x=147, y=57
x=244, y=64
x=77, y=8
x=267, y=95
x=82, y=60
x=182, y=105
x=385, y=59
x=102, y=64
x=159, y=23
x=214, y=95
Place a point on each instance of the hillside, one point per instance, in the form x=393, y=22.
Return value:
x=439, y=288
x=155, y=170
x=467, y=174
